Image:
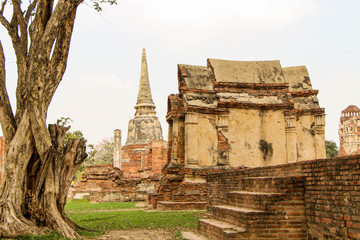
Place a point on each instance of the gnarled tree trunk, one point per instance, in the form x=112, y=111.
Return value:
x=38, y=166
x=34, y=190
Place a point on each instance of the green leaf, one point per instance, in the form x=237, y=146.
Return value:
x=97, y=6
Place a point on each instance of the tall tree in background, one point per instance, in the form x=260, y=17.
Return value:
x=331, y=149
x=102, y=152
x=39, y=167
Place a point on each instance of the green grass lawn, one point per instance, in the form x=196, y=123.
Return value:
x=87, y=216
x=84, y=205
x=101, y=221
x=135, y=219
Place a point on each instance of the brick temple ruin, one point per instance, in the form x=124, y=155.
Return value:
x=259, y=132
x=137, y=165
x=236, y=114
x=349, y=131
x=144, y=152
x=307, y=200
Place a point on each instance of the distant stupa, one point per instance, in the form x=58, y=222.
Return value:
x=145, y=127
x=349, y=131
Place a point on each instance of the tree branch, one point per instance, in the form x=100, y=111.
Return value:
x=43, y=13
x=7, y=119
x=2, y=7
x=29, y=11
x=39, y=53
x=19, y=13
x=12, y=29
x=22, y=24
x=19, y=45
x=62, y=12
x=56, y=36
x=59, y=58
x=3, y=20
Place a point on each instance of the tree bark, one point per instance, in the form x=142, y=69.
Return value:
x=34, y=192
x=39, y=168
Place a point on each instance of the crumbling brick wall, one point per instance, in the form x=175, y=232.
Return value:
x=139, y=160
x=104, y=183
x=333, y=198
x=132, y=158
x=181, y=184
x=331, y=193
x=139, y=173
x=241, y=113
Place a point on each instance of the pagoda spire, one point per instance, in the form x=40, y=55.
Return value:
x=144, y=105
x=145, y=126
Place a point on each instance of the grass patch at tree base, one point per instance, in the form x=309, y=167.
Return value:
x=93, y=217
x=136, y=220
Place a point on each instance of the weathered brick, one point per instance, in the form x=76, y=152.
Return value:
x=133, y=181
x=331, y=209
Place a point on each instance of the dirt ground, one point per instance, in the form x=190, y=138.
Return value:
x=136, y=235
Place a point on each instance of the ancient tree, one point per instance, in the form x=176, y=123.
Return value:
x=39, y=166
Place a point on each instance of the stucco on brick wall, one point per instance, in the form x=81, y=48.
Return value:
x=266, y=114
x=239, y=114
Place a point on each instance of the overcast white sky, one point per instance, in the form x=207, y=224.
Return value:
x=99, y=89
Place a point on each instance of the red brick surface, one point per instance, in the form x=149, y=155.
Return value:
x=144, y=160
x=136, y=178
x=104, y=183
x=330, y=195
x=173, y=187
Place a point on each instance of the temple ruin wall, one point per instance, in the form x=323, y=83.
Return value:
x=331, y=190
